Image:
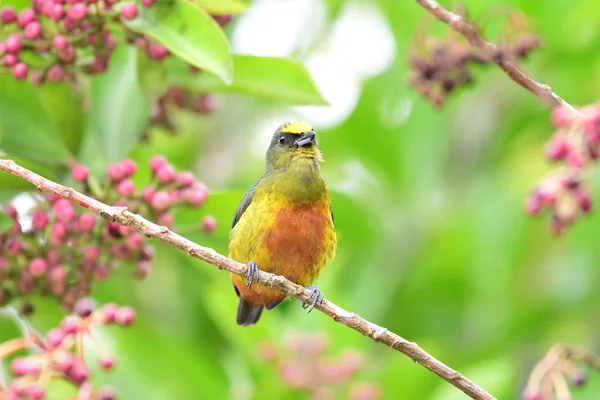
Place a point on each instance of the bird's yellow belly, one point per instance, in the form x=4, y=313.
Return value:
x=296, y=242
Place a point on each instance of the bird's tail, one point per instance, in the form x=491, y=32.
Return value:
x=247, y=314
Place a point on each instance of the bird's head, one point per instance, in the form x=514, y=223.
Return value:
x=293, y=142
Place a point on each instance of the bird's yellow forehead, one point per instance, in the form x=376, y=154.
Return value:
x=296, y=127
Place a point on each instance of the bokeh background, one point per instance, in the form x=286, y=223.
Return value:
x=433, y=241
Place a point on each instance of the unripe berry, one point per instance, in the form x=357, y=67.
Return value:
x=135, y=241
x=129, y=11
x=198, y=195
x=148, y=3
x=10, y=60
x=8, y=15
x=79, y=172
x=58, y=280
x=87, y=222
x=109, y=311
x=64, y=210
x=60, y=42
x=68, y=54
x=205, y=104
x=129, y=166
x=125, y=316
x=38, y=267
x=64, y=362
x=13, y=44
x=19, y=366
x=157, y=162
x=77, y=11
x=78, y=372
x=84, y=307
x=126, y=188
x=142, y=270
x=166, y=219
x=33, y=30
x=160, y=201
x=11, y=211
x=35, y=393
x=106, y=362
x=148, y=194
x=13, y=247
x=166, y=174
x=20, y=71
x=107, y=394
x=558, y=148
x=56, y=74
x=209, y=224
x=533, y=204
x=575, y=159
x=116, y=172
x=55, y=337
x=26, y=16
x=583, y=199
x=186, y=179
x=91, y=253
x=157, y=52
x=69, y=326
x=58, y=12
x=223, y=19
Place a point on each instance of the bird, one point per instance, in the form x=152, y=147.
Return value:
x=284, y=224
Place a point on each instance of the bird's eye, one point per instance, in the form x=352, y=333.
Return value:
x=282, y=140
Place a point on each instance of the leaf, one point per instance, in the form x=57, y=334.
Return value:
x=153, y=76
x=119, y=108
x=267, y=77
x=222, y=7
x=189, y=33
x=28, y=130
x=65, y=108
x=5, y=222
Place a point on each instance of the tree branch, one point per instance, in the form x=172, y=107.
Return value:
x=460, y=25
x=338, y=314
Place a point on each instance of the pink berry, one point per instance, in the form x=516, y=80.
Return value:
x=38, y=267
x=126, y=188
x=77, y=11
x=106, y=362
x=109, y=311
x=87, y=222
x=13, y=247
x=533, y=204
x=84, y=307
x=20, y=71
x=223, y=19
x=148, y=194
x=205, y=104
x=56, y=74
x=79, y=172
x=186, y=179
x=13, y=44
x=560, y=116
x=26, y=16
x=157, y=162
x=57, y=280
x=64, y=210
x=161, y=201
x=575, y=159
x=157, y=52
x=198, y=195
x=58, y=12
x=135, y=241
x=78, y=372
x=65, y=361
x=53, y=257
x=10, y=60
x=129, y=166
x=166, y=219
x=35, y=393
x=129, y=11
x=107, y=394
x=91, y=253
x=68, y=54
x=142, y=270
x=209, y=224
x=125, y=316
x=558, y=148
x=33, y=30
x=584, y=200
x=69, y=326
x=166, y=174
x=148, y=3
x=19, y=366
x=55, y=337
x=8, y=15
x=116, y=172
x=11, y=211
x=175, y=196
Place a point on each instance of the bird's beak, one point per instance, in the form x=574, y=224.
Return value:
x=307, y=139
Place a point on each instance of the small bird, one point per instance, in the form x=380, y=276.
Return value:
x=284, y=223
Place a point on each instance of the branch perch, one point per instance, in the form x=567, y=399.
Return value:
x=458, y=24
x=377, y=333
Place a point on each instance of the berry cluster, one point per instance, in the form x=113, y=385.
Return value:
x=66, y=249
x=55, y=39
x=59, y=355
x=576, y=142
x=182, y=99
x=551, y=377
x=302, y=364
x=440, y=66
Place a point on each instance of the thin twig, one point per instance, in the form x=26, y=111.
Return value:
x=460, y=25
x=338, y=314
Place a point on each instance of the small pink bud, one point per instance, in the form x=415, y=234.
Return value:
x=531, y=395
x=147, y=253
x=78, y=372
x=166, y=219
x=10, y=60
x=65, y=361
x=135, y=242
x=13, y=44
x=533, y=204
x=60, y=43
x=20, y=71
x=109, y=311
x=26, y=16
x=38, y=267
x=116, y=172
x=80, y=172
x=35, y=393
x=174, y=196
x=19, y=366
x=58, y=12
x=558, y=148
x=39, y=220
x=53, y=257
x=198, y=195
x=107, y=394
x=8, y=15
x=157, y=162
x=156, y=51
x=55, y=337
x=125, y=316
x=148, y=194
x=186, y=179
x=87, y=222
x=560, y=116
x=209, y=224
x=129, y=11
x=129, y=166
x=107, y=362
x=160, y=201
x=11, y=211
x=84, y=307
x=64, y=210
x=58, y=280
x=583, y=199
x=77, y=11
x=13, y=247
x=591, y=126
x=91, y=253
x=126, y=188
x=142, y=269
x=125, y=230
x=33, y=30
x=166, y=174
x=148, y=3
x=575, y=159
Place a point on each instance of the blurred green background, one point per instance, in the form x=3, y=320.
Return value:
x=433, y=241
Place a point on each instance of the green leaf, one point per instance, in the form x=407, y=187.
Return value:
x=267, y=77
x=119, y=108
x=222, y=7
x=29, y=131
x=5, y=222
x=188, y=32
x=153, y=76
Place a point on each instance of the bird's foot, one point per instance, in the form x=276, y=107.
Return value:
x=317, y=298
x=251, y=274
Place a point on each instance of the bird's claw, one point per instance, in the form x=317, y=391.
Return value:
x=251, y=274
x=317, y=298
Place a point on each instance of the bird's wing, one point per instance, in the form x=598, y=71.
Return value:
x=246, y=200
